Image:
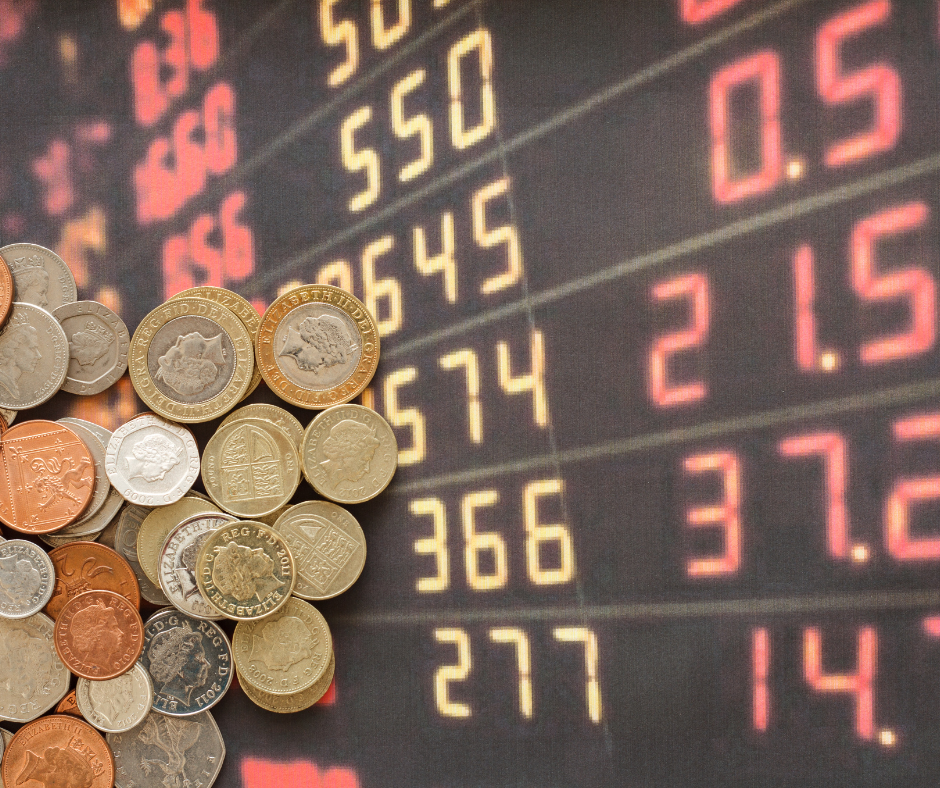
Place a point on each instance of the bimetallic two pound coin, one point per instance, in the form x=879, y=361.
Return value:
x=317, y=346
x=27, y=577
x=191, y=360
x=41, y=277
x=34, y=357
x=98, y=345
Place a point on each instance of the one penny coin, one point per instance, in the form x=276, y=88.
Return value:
x=99, y=635
x=69, y=705
x=6, y=291
x=47, y=477
x=58, y=750
x=89, y=566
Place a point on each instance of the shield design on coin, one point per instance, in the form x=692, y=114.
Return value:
x=192, y=364
x=320, y=549
x=250, y=467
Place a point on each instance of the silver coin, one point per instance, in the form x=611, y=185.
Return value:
x=98, y=345
x=90, y=526
x=32, y=677
x=116, y=705
x=27, y=578
x=8, y=415
x=34, y=357
x=189, y=661
x=102, y=485
x=151, y=461
x=40, y=276
x=5, y=738
x=177, y=567
x=59, y=541
x=125, y=543
x=101, y=433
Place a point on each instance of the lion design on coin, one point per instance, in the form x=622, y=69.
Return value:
x=96, y=634
x=20, y=581
x=319, y=343
x=349, y=449
x=192, y=364
x=57, y=767
x=244, y=573
x=178, y=662
x=19, y=355
x=153, y=457
x=284, y=643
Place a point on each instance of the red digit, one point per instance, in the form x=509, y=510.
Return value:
x=150, y=102
x=763, y=69
x=724, y=515
x=177, y=273
x=915, y=286
x=760, y=666
x=53, y=169
x=830, y=446
x=173, y=23
x=203, y=254
x=697, y=11
x=804, y=284
x=190, y=163
x=860, y=685
x=218, y=109
x=238, y=244
x=909, y=491
x=694, y=289
x=155, y=184
x=203, y=35
x=880, y=84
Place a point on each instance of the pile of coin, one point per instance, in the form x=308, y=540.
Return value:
x=126, y=525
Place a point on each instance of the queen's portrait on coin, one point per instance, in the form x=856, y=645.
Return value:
x=19, y=580
x=349, y=448
x=19, y=355
x=283, y=643
x=87, y=347
x=153, y=457
x=113, y=698
x=319, y=343
x=178, y=663
x=96, y=634
x=192, y=364
x=26, y=665
x=32, y=281
x=56, y=767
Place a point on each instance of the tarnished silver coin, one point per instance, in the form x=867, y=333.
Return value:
x=32, y=677
x=116, y=705
x=27, y=578
x=102, y=485
x=41, y=277
x=125, y=544
x=34, y=357
x=189, y=660
x=178, y=564
x=98, y=345
x=152, y=461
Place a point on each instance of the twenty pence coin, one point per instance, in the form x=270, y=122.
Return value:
x=118, y=704
x=156, y=528
x=34, y=357
x=290, y=704
x=32, y=677
x=41, y=277
x=317, y=346
x=27, y=577
x=86, y=566
x=98, y=345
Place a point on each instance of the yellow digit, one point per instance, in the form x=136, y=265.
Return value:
x=505, y=234
x=383, y=37
x=435, y=545
x=467, y=360
x=538, y=535
x=443, y=262
x=533, y=382
x=476, y=543
x=367, y=398
x=448, y=674
x=520, y=641
x=461, y=136
x=409, y=417
x=375, y=289
x=335, y=34
x=360, y=160
x=338, y=273
x=440, y=3
x=409, y=127
x=593, y=687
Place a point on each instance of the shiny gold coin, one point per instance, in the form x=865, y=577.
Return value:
x=289, y=704
x=191, y=360
x=349, y=454
x=273, y=413
x=250, y=468
x=156, y=527
x=245, y=571
x=237, y=306
x=285, y=653
x=317, y=346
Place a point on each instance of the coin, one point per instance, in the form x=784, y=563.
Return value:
x=106, y=537
x=349, y=454
x=286, y=652
x=118, y=704
x=245, y=571
x=178, y=564
x=279, y=416
x=68, y=705
x=151, y=461
x=125, y=543
x=190, y=748
x=101, y=433
x=88, y=566
x=34, y=357
x=60, y=750
x=26, y=579
x=317, y=346
x=250, y=468
x=102, y=485
x=240, y=308
x=99, y=635
x=98, y=344
x=289, y=704
x=89, y=527
x=48, y=477
x=32, y=677
x=191, y=360
x=156, y=528
x=6, y=291
x=328, y=546
x=190, y=662
x=8, y=415
x=41, y=277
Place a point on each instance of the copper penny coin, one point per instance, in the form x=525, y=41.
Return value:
x=6, y=291
x=58, y=750
x=88, y=566
x=99, y=635
x=47, y=477
x=68, y=705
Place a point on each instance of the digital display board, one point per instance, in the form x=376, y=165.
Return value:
x=657, y=289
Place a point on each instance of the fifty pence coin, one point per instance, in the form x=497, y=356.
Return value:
x=34, y=357
x=118, y=704
x=265, y=412
x=245, y=571
x=98, y=344
x=317, y=346
x=290, y=704
x=190, y=748
x=32, y=677
x=328, y=546
x=6, y=291
x=41, y=277
x=349, y=454
x=125, y=543
x=151, y=461
x=86, y=566
x=191, y=360
x=102, y=485
x=190, y=662
x=156, y=528
x=27, y=577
